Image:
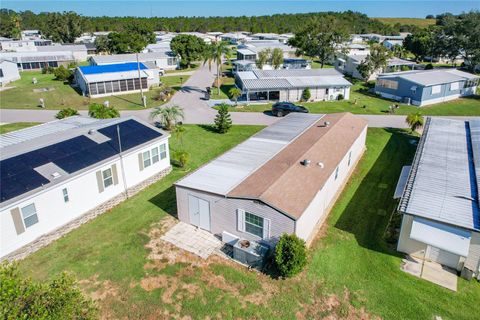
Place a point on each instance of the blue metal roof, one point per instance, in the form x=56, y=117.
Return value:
x=110, y=68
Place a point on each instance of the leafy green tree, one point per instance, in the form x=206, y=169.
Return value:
x=277, y=58
x=223, y=121
x=290, y=255
x=168, y=116
x=189, y=47
x=420, y=44
x=378, y=57
x=125, y=42
x=63, y=74
x=63, y=27
x=214, y=53
x=235, y=93
x=59, y=298
x=415, y=121
x=10, y=24
x=263, y=58
x=101, y=43
x=320, y=38
x=100, y=111
x=67, y=112
x=365, y=69
x=306, y=94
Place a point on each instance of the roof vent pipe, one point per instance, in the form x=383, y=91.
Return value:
x=327, y=123
x=305, y=162
x=91, y=131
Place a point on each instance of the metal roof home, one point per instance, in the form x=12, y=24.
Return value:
x=443, y=184
x=432, y=77
x=131, y=57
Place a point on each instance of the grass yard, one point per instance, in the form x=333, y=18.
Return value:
x=61, y=95
x=227, y=84
x=376, y=105
x=351, y=271
x=419, y=22
x=9, y=127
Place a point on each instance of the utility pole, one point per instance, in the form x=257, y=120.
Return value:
x=140, y=81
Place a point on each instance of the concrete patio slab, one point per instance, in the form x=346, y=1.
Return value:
x=432, y=271
x=192, y=239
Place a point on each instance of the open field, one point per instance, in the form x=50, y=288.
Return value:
x=61, y=95
x=370, y=104
x=351, y=270
x=419, y=22
x=9, y=127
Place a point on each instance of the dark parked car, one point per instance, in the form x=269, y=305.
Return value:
x=281, y=109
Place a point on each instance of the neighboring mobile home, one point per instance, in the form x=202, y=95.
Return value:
x=37, y=60
x=164, y=59
x=288, y=84
x=440, y=202
x=8, y=72
x=284, y=179
x=56, y=173
x=424, y=87
x=114, y=79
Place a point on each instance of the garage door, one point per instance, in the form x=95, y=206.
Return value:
x=443, y=257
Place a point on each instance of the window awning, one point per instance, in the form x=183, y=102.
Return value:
x=402, y=182
x=442, y=236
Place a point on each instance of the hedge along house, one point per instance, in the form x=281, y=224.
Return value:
x=114, y=79
x=289, y=84
x=284, y=179
x=440, y=202
x=425, y=87
x=57, y=175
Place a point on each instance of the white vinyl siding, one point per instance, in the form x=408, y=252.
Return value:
x=254, y=224
x=146, y=159
x=454, y=86
x=107, y=178
x=65, y=195
x=29, y=215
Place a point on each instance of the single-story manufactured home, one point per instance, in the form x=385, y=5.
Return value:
x=37, y=60
x=164, y=59
x=250, y=49
x=290, y=63
x=424, y=87
x=56, y=173
x=348, y=64
x=440, y=201
x=288, y=84
x=79, y=51
x=284, y=179
x=120, y=78
x=8, y=72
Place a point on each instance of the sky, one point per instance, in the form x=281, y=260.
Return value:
x=171, y=8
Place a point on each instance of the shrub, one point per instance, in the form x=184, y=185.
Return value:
x=223, y=122
x=182, y=157
x=63, y=74
x=47, y=70
x=290, y=255
x=306, y=94
x=429, y=66
x=340, y=97
x=67, y=112
x=59, y=298
x=100, y=111
x=72, y=65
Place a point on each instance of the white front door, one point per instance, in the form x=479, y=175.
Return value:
x=199, y=212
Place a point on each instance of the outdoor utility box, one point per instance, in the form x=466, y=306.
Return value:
x=250, y=253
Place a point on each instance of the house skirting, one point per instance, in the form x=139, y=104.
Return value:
x=48, y=238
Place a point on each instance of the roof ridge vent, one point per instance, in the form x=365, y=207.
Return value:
x=305, y=162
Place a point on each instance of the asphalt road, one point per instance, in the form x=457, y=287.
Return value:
x=196, y=109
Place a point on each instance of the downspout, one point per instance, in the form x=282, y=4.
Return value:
x=122, y=168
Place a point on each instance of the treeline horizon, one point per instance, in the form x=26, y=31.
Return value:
x=355, y=22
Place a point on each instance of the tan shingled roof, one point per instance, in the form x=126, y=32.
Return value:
x=287, y=185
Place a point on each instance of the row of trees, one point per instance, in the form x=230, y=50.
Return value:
x=452, y=36
x=66, y=26
x=268, y=56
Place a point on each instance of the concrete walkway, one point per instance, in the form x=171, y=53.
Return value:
x=197, y=110
x=431, y=271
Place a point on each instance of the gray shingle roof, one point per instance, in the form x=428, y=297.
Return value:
x=442, y=185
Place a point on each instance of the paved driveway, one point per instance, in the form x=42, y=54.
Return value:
x=191, y=99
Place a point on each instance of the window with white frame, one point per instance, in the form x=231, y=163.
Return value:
x=146, y=159
x=454, y=86
x=336, y=173
x=254, y=224
x=65, y=195
x=107, y=178
x=349, y=158
x=436, y=89
x=389, y=84
x=163, y=151
x=155, y=156
x=29, y=215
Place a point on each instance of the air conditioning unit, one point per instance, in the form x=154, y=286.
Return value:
x=250, y=253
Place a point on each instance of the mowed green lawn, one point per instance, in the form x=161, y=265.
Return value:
x=361, y=102
x=61, y=95
x=9, y=127
x=351, y=267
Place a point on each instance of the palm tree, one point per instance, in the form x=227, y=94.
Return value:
x=415, y=121
x=214, y=54
x=235, y=93
x=100, y=111
x=168, y=116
